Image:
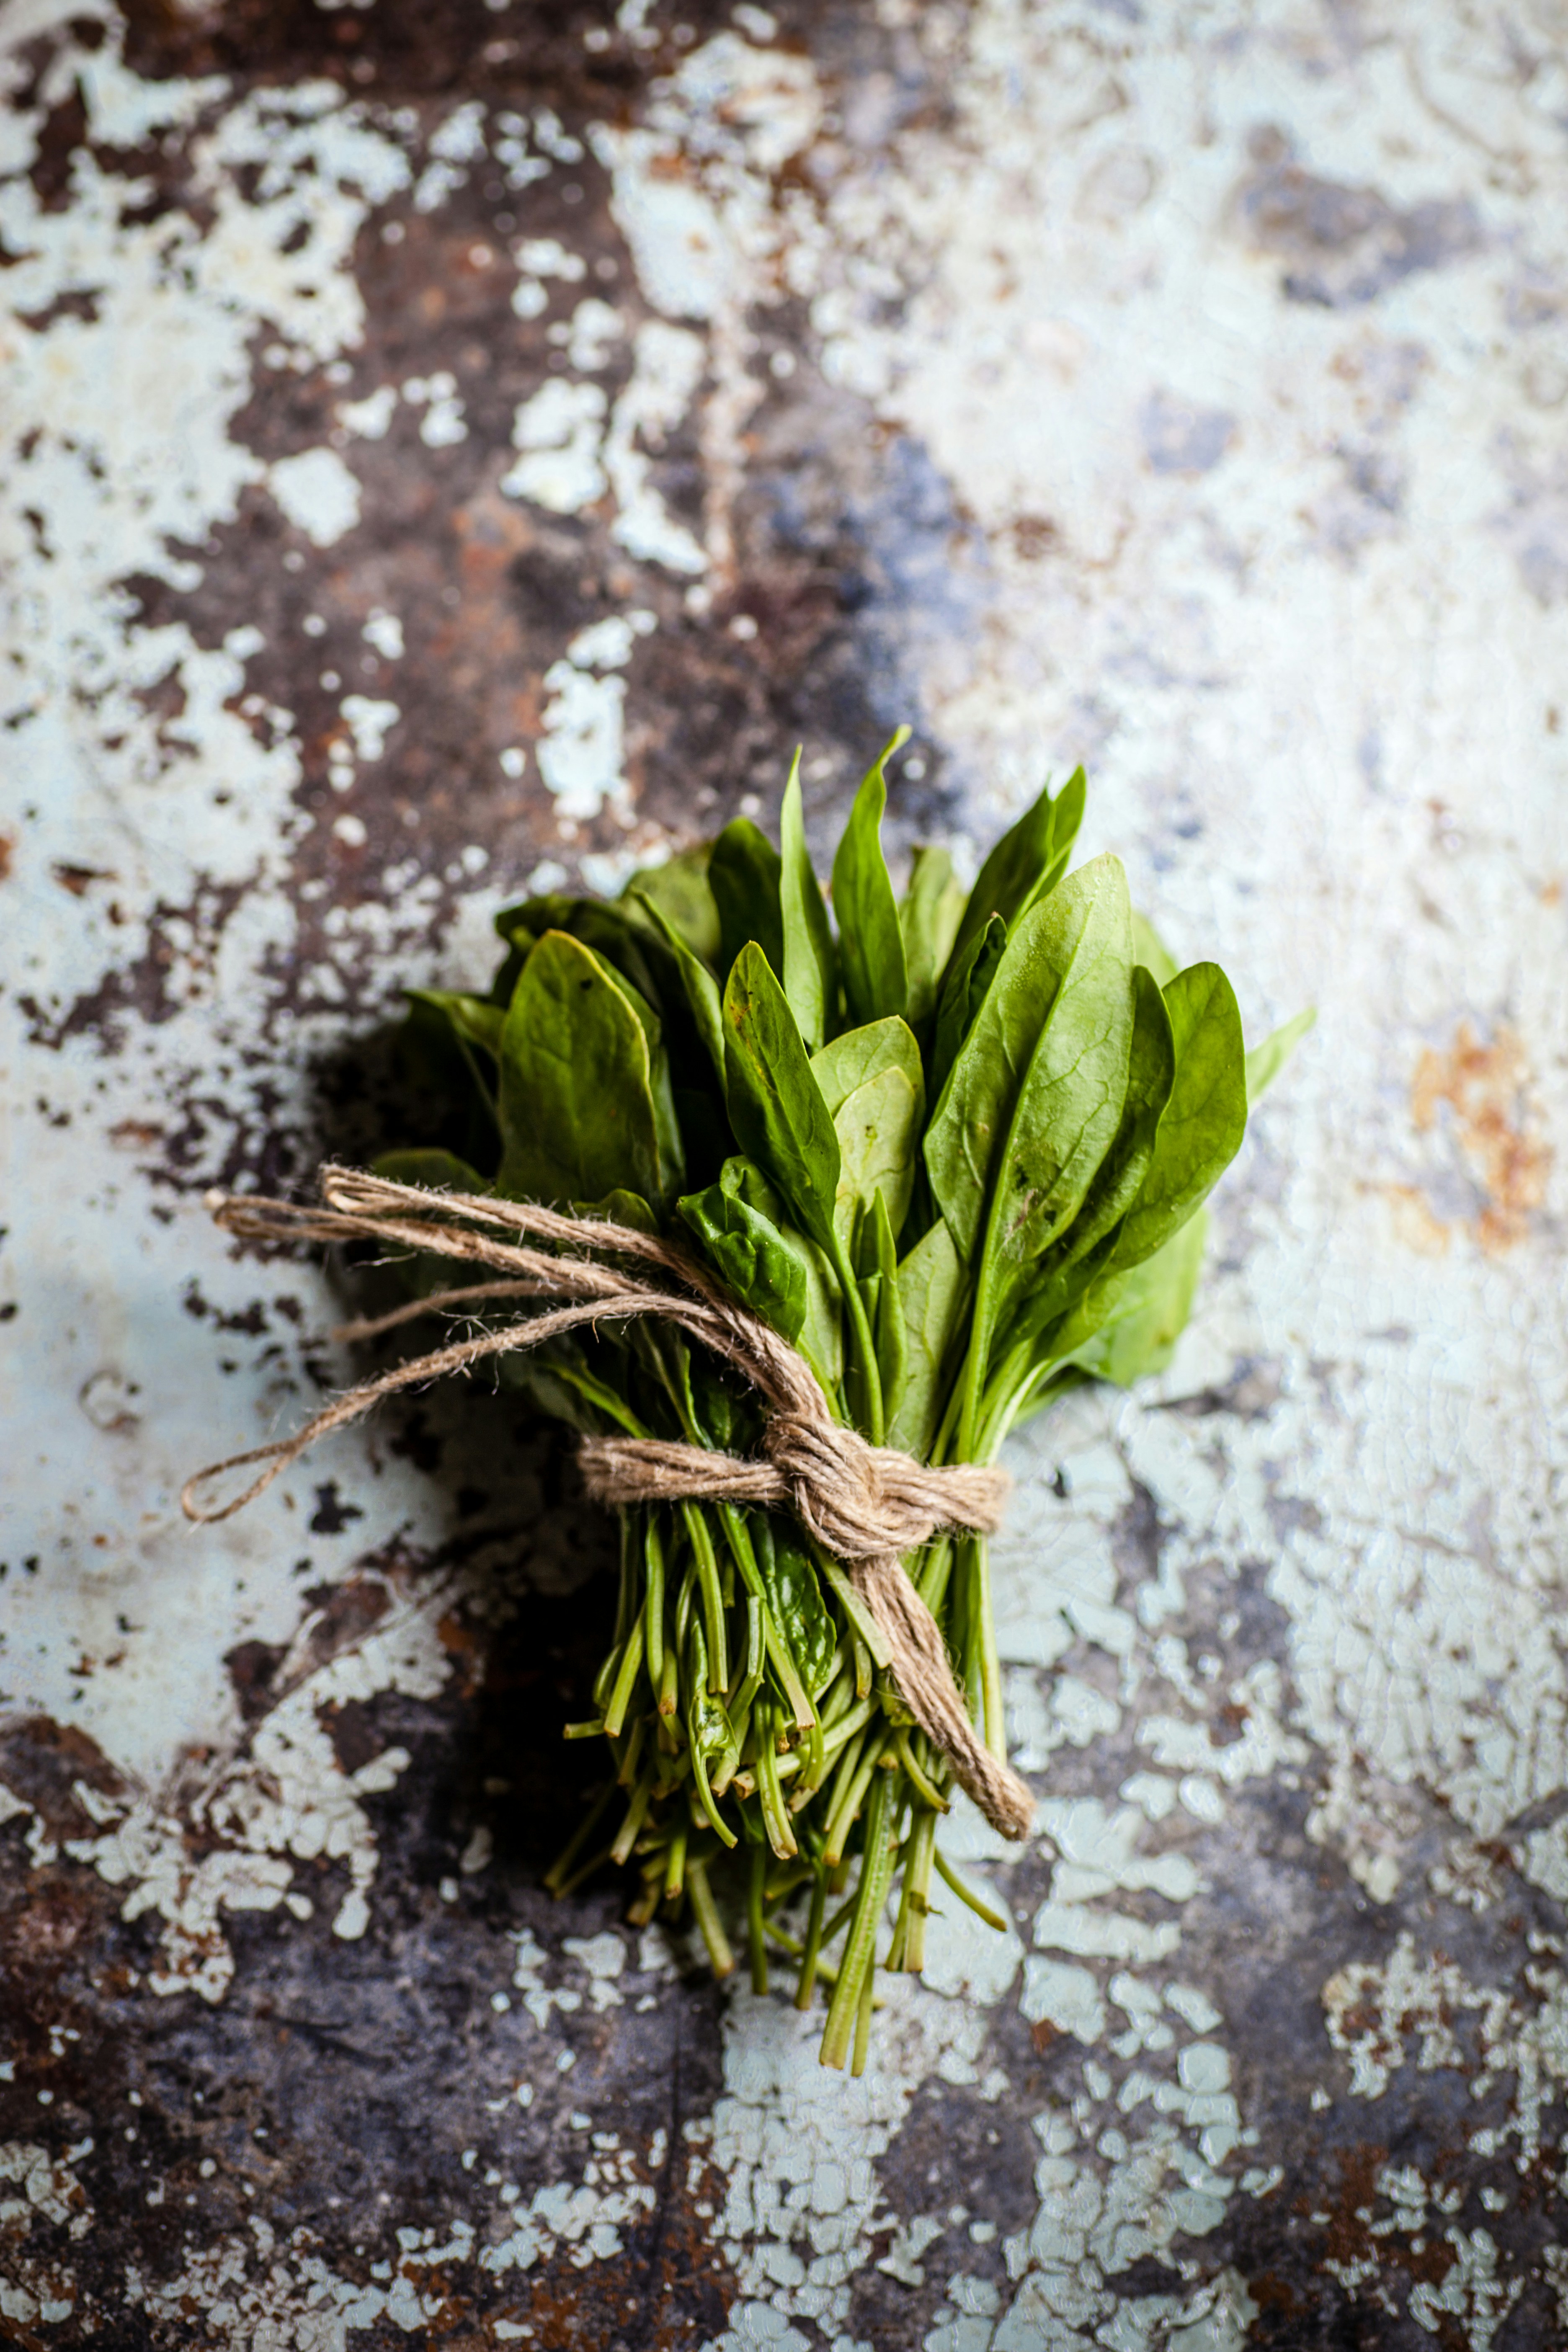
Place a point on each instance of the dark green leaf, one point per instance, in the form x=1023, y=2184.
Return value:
x=810, y=973
x=750, y=1255
x=929, y=918
x=578, y=1112
x=794, y=1597
x=1027, y=862
x=744, y=876
x=820, y=1339
x=700, y=987
x=970, y=974
x=1035, y=1094
x=1203, y=1122
x=776, y=1103
x=1265, y=1062
x=870, y=943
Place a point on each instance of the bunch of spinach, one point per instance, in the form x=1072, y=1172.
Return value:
x=955, y=1146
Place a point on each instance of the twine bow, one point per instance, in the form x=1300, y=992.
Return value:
x=865, y=1505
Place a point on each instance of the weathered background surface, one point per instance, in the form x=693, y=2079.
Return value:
x=449, y=445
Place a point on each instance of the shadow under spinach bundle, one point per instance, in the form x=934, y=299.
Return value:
x=832, y=1203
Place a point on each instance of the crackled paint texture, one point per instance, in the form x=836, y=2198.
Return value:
x=453, y=448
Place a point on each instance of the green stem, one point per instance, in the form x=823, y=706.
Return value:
x=981, y=1910
x=712, y=1599
x=811, y=1956
x=759, y=1862
x=875, y=1428
x=653, y=1605
x=625, y=1678
x=917, y=1856
x=859, y=1957
x=721, y=1959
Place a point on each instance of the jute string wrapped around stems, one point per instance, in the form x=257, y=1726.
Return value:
x=866, y=1505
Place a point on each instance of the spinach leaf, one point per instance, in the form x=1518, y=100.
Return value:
x=928, y=917
x=744, y=876
x=1068, y=1105
x=810, y=973
x=931, y=1285
x=820, y=1339
x=877, y=1260
x=870, y=943
x=578, y=1113
x=475, y=1021
x=794, y=1597
x=776, y=1103
x=1027, y=862
x=970, y=974
x=438, y=1171
x=699, y=986
x=1203, y=1122
x=1142, y=1312
x=1265, y=1062
x=679, y=892
x=1033, y=1099
x=874, y=1087
x=749, y=1253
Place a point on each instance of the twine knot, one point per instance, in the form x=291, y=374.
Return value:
x=860, y=1501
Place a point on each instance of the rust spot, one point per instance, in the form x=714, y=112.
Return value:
x=1043, y=2033
x=1484, y=1087
x=7, y=851
x=78, y=879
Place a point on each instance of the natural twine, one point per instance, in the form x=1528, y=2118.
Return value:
x=866, y=1504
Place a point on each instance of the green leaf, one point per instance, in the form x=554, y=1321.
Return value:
x=794, y=1596
x=931, y=1285
x=928, y=917
x=810, y=973
x=744, y=876
x=776, y=1105
x=1265, y=1062
x=821, y=1337
x=699, y=985
x=1027, y=862
x=475, y=1021
x=1120, y=1176
x=1078, y=1259
x=1069, y=1106
x=620, y=1208
x=1203, y=1123
x=870, y=943
x=877, y=1255
x=437, y=1172
x=749, y=1254
x=679, y=891
x=1033, y=1099
x=963, y=992
x=1145, y=1309
x=874, y=1087
x=578, y=1112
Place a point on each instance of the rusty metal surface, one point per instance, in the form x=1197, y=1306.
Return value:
x=446, y=447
